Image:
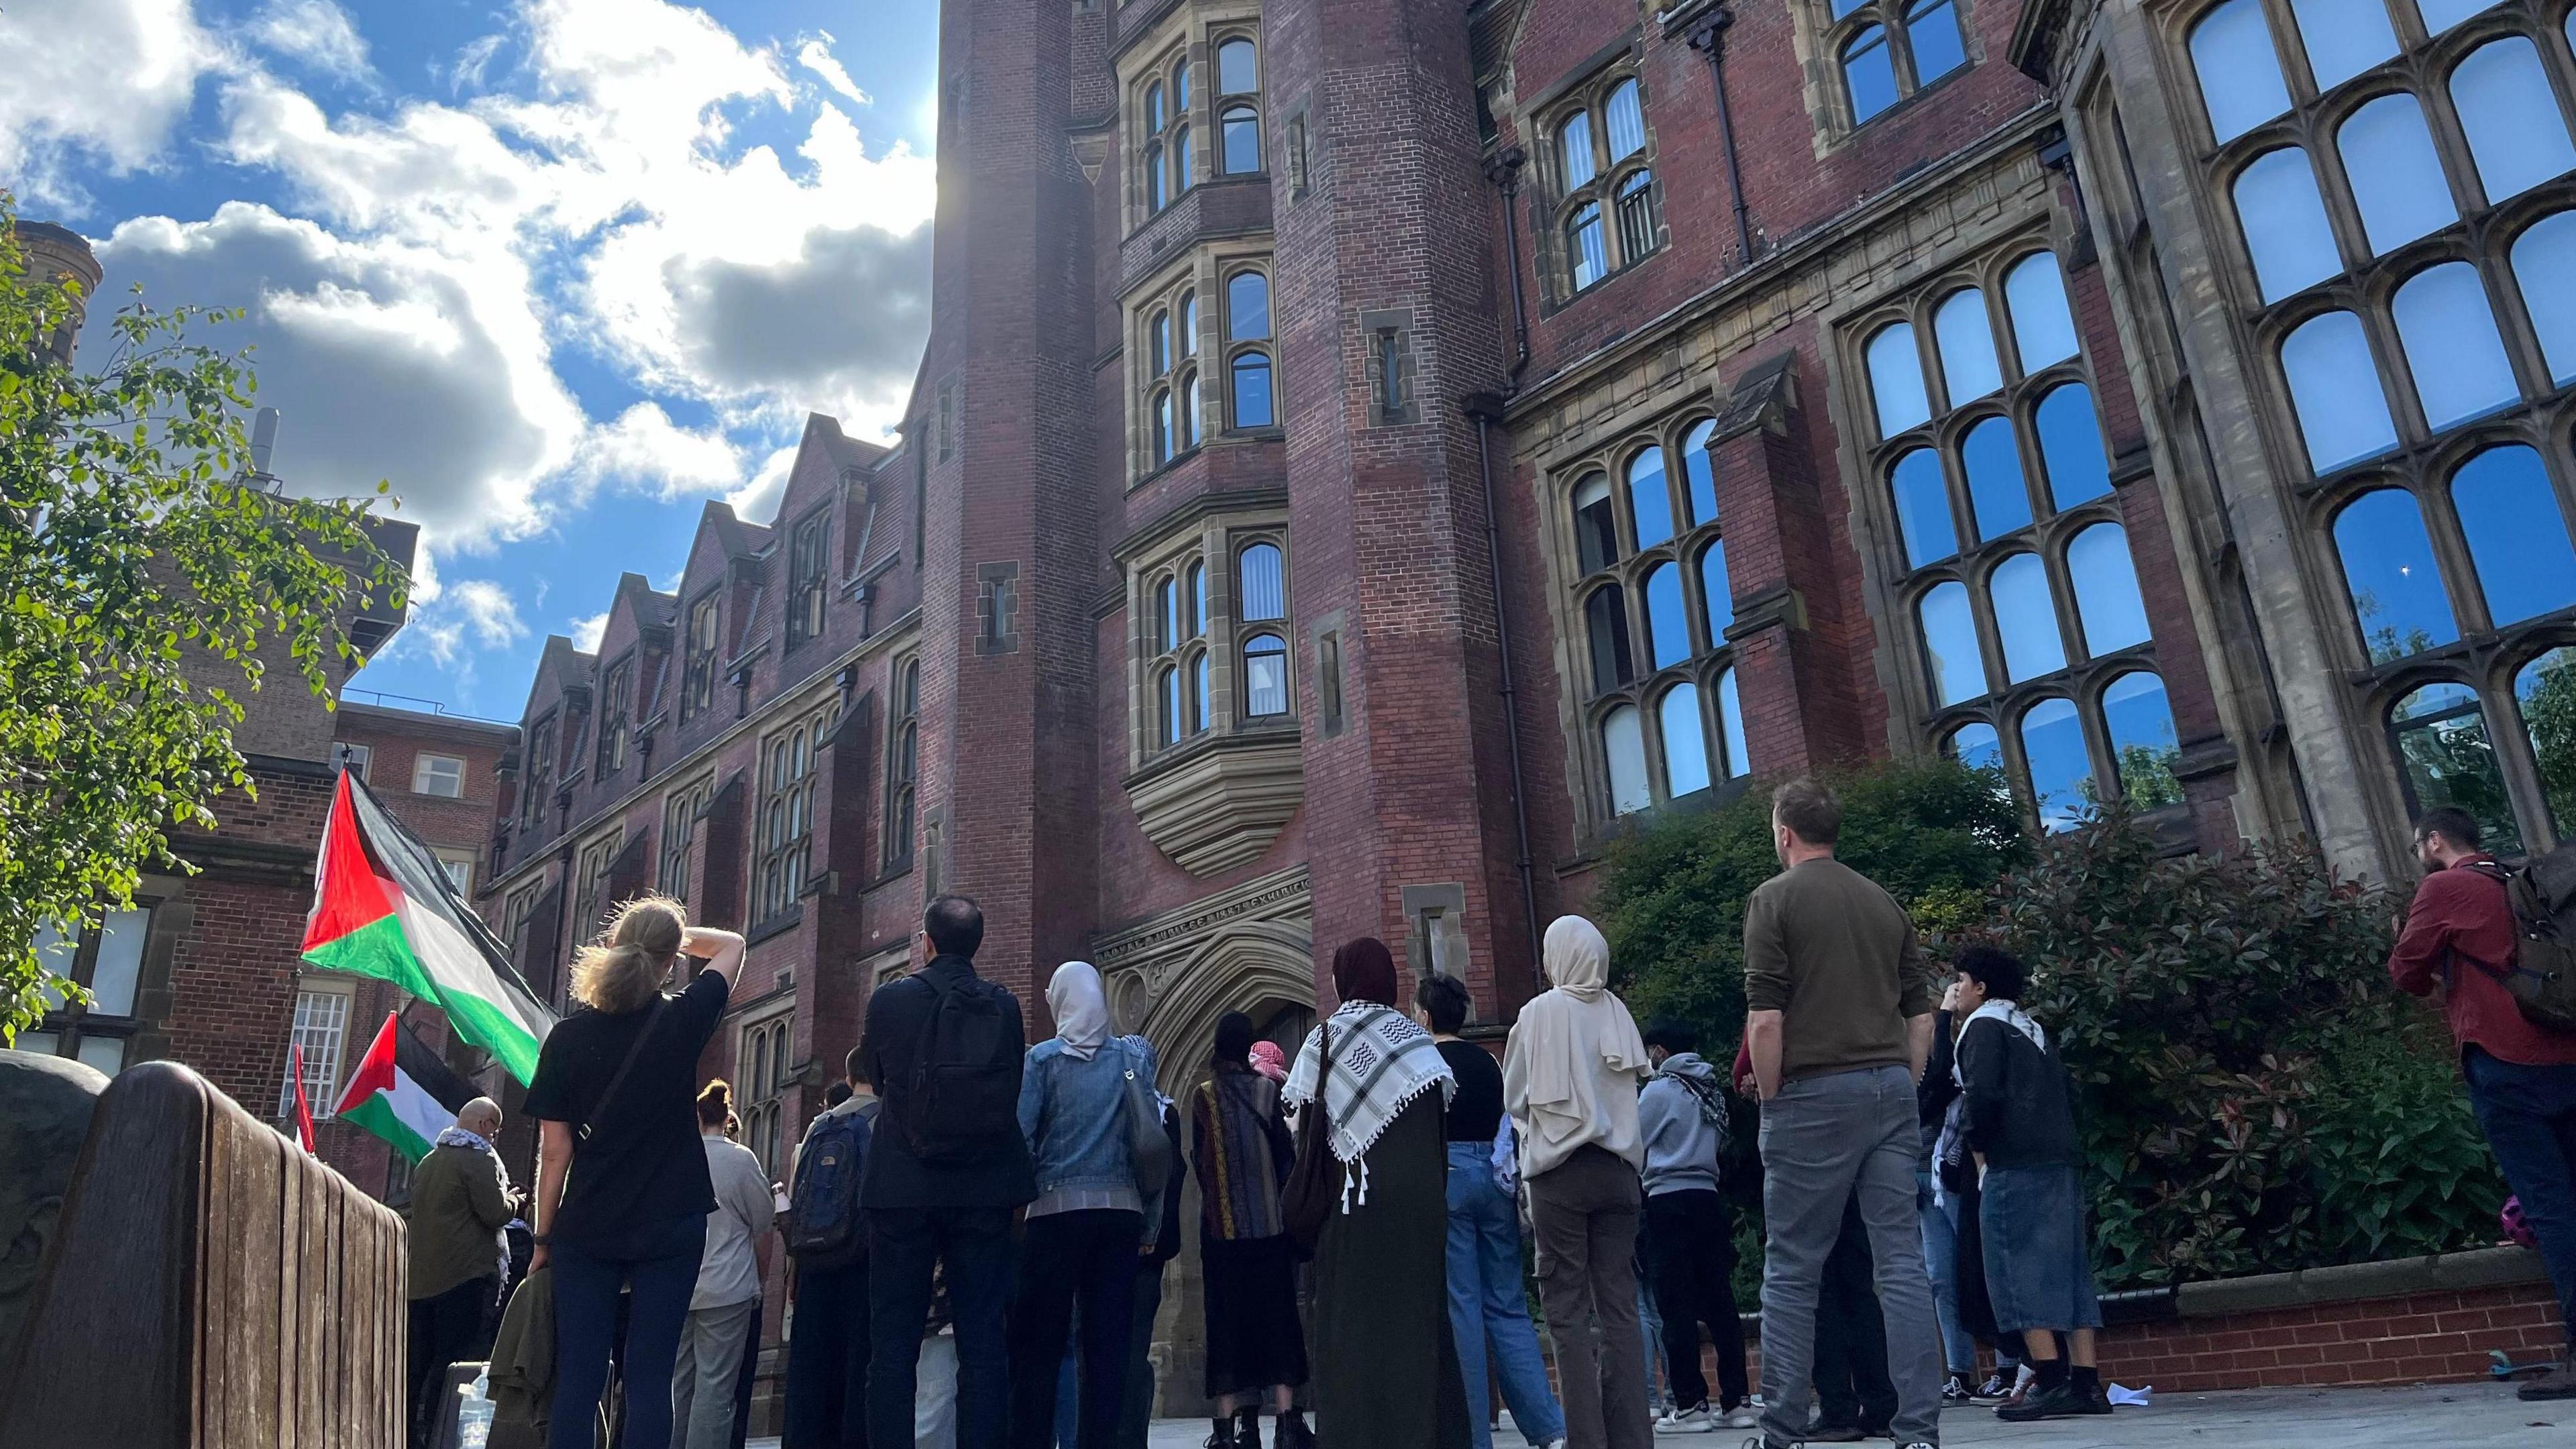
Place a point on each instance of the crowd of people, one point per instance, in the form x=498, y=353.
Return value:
x=980, y=1228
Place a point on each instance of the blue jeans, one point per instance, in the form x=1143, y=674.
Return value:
x=2529, y=1116
x=1488, y=1309
x=1940, y=1222
x=663, y=1273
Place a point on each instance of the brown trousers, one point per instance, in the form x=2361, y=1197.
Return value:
x=1584, y=1215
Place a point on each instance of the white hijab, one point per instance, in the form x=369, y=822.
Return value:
x=1080, y=1007
x=1570, y=1073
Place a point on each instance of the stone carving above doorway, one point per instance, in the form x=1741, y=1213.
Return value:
x=1171, y=977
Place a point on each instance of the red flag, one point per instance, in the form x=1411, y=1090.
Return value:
x=303, y=1109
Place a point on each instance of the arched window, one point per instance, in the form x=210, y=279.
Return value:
x=1155, y=117
x=2452, y=349
x=1265, y=675
x=1247, y=307
x=2442, y=745
x=1182, y=169
x=2284, y=222
x=1997, y=496
x=1181, y=88
x=1197, y=599
x=1967, y=343
x=2343, y=39
x=1975, y=745
x=1716, y=595
x=2334, y=388
x=1586, y=257
x=2511, y=117
x=1596, y=538
x=1730, y=728
x=2395, y=173
x=1167, y=686
x=1950, y=655
x=1238, y=72
x=1650, y=503
x=2441, y=15
x=1635, y=205
x=2517, y=537
x=2144, y=747
x=1201, y=707
x=1896, y=380
x=1869, y=72
x=1667, y=632
x=1162, y=426
x=2043, y=330
x=1625, y=121
x=1923, y=507
x=1574, y=146
x=2545, y=691
x=1167, y=614
x=1623, y=743
x=1189, y=311
x=1264, y=593
x=2390, y=572
x=1189, y=409
x=1605, y=623
x=2061, y=772
x=1685, y=741
x=1252, y=390
x=2025, y=618
x=1699, y=472
x=2070, y=446
x=2544, y=258
x=1932, y=28
x=2240, y=79
x=1159, y=340
x=1241, y=134
x=2108, y=610
x=1157, y=193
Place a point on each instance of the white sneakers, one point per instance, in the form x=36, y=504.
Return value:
x=1705, y=1420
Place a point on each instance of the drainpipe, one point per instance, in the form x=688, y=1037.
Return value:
x=1487, y=409
x=1504, y=171
x=1707, y=35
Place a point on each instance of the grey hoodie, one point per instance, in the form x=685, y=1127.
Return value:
x=1682, y=1145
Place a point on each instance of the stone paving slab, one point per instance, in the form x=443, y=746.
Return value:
x=2451, y=1416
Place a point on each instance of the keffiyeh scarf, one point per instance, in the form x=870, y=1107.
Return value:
x=1381, y=1062
x=459, y=1137
x=2011, y=1015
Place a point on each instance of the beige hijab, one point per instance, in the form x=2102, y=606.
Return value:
x=1571, y=1071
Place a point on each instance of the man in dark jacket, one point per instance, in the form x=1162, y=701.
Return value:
x=2021, y=1123
x=2522, y=1079
x=460, y=1200
x=944, y=1047
x=827, y=1356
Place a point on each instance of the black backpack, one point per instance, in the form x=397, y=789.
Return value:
x=963, y=1090
x=824, y=1228
x=2541, y=973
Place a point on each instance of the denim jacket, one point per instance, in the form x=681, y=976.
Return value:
x=1074, y=1114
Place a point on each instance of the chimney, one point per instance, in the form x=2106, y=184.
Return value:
x=263, y=442
x=55, y=252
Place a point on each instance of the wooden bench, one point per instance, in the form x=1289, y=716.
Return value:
x=209, y=1287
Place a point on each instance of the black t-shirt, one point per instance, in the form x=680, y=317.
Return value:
x=1476, y=1113
x=643, y=1164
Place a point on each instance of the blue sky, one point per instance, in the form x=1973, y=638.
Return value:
x=560, y=270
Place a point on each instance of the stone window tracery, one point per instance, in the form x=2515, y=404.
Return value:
x=1600, y=159
x=1889, y=49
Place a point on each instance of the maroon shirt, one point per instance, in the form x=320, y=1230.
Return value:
x=2464, y=910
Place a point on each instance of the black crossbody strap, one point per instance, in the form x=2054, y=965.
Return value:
x=609, y=1093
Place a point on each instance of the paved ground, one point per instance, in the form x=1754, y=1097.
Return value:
x=2452, y=1416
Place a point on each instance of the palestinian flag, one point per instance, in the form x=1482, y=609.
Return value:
x=402, y=1092
x=382, y=907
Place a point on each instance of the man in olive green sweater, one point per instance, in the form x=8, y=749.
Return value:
x=461, y=1199
x=1838, y=1022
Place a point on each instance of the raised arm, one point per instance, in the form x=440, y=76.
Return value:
x=721, y=950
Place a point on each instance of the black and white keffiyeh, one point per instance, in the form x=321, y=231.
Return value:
x=1382, y=1060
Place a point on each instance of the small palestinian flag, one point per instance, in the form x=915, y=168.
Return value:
x=403, y=1093
x=383, y=907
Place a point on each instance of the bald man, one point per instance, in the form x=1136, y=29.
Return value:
x=461, y=1198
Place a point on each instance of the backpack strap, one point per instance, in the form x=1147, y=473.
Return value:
x=608, y=1094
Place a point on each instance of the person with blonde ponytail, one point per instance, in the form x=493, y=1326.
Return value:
x=623, y=1189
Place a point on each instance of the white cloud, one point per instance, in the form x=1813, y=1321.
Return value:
x=757, y=500
x=316, y=32
x=93, y=83
x=488, y=610
x=471, y=62
x=815, y=54
x=644, y=449
x=587, y=630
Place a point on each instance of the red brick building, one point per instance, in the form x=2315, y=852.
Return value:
x=1371, y=453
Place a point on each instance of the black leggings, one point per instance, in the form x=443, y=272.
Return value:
x=1087, y=1257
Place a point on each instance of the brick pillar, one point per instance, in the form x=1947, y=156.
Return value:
x=1386, y=512
x=1011, y=562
